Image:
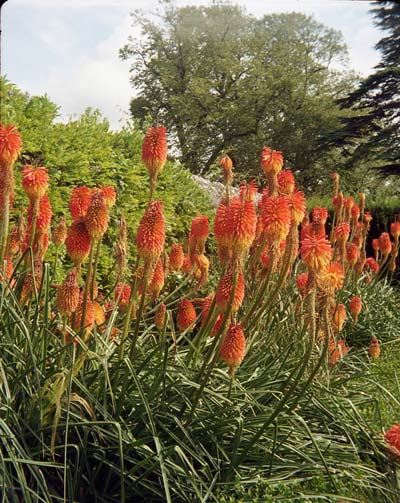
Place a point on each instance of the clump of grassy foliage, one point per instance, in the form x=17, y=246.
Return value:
x=120, y=410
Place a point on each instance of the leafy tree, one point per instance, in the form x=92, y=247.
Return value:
x=223, y=80
x=372, y=132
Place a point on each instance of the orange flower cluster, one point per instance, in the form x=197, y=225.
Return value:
x=186, y=316
x=257, y=236
x=154, y=150
x=233, y=348
x=392, y=436
x=150, y=237
x=10, y=145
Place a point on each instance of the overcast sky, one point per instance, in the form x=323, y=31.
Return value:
x=68, y=49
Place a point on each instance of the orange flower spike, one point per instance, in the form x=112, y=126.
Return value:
x=205, y=309
x=338, y=204
x=77, y=242
x=224, y=291
x=109, y=195
x=96, y=218
x=122, y=295
x=355, y=213
x=187, y=265
x=385, y=245
x=297, y=206
x=233, y=348
x=35, y=182
x=355, y=307
x=89, y=315
x=227, y=168
x=265, y=258
x=371, y=265
x=241, y=225
x=79, y=202
x=157, y=281
x=202, y=265
x=375, y=247
x=348, y=203
x=286, y=183
x=374, y=349
x=341, y=233
x=276, y=218
x=159, y=316
x=186, y=316
x=319, y=215
x=14, y=241
x=59, y=234
x=352, y=254
x=332, y=277
x=154, y=149
x=199, y=230
x=392, y=436
x=248, y=191
x=99, y=313
x=337, y=351
x=150, y=237
x=68, y=294
x=395, y=230
x=302, y=284
x=221, y=232
x=315, y=250
x=176, y=257
x=10, y=145
x=339, y=317
x=271, y=161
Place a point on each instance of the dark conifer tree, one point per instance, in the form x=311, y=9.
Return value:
x=373, y=132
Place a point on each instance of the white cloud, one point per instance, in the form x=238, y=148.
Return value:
x=98, y=80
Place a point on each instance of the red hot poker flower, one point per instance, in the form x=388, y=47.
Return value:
x=122, y=295
x=176, y=257
x=385, y=245
x=154, y=150
x=276, y=218
x=68, y=294
x=225, y=288
x=241, y=225
x=159, y=316
x=355, y=306
x=374, y=349
x=395, y=230
x=198, y=234
x=315, y=250
x=186, y=316
x=271, y=161
x=150, y=237
x=79, y=202
x=35, y=182
x=286, y=182
x=77, y=242
x=157, y=281
x=96, y=218
x=393, y=437
x=109, y=195
x=297, y=206
x=233, y=348
x=10, y=145
x=59, y=234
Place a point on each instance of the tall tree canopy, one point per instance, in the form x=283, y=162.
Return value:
x=372, y=132
x=223, y=80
